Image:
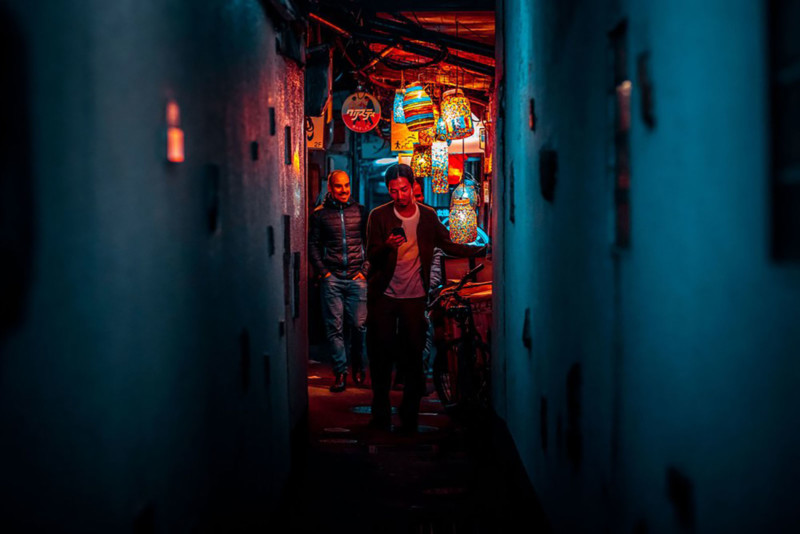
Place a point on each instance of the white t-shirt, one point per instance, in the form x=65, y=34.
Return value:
x=407, y=279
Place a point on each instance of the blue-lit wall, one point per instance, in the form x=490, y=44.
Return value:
x=148, y=386
x=659, y=390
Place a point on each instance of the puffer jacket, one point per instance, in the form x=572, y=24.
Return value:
x=337, y=238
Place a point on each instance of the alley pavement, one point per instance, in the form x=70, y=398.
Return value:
x=452, y=477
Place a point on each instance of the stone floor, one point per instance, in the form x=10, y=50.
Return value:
x=449, y=478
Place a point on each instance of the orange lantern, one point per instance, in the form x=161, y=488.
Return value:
x=456, y=168
x=421, y=163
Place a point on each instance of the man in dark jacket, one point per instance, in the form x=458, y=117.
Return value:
x=401, y=236
x=336, y=248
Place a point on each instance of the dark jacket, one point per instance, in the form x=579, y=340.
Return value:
x=337, y=238
x=383, y=258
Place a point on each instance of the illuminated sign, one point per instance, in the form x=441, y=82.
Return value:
x=361, y=112
x=403, y=139
x=315, y=133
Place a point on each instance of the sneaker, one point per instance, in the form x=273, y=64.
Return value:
x=340, y=384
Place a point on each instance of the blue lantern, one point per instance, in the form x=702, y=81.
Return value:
x=399, y=115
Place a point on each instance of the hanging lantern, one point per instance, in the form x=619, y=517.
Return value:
x=466, y=190
x=439, y=164
x=455, y=168
x=417, y=108
x=427, y=136
x=457, y=114
x=397, y=110
x=463, y=222
x=441, y=130
x=421, y=161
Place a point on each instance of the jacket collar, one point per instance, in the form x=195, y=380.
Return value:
x=331, y=202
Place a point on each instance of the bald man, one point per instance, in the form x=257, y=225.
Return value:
x=337, y=250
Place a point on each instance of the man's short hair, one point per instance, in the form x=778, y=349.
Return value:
x=396, y=171
x=420, y=182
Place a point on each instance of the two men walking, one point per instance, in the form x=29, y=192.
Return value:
x=400, y=238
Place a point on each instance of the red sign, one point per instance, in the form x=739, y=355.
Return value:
x=361, y=112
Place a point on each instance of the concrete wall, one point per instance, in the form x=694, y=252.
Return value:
x=657, y=393
x=148, y=385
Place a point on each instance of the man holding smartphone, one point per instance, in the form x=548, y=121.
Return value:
x=401, y=237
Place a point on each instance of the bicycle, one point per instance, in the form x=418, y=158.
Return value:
x=461, y=370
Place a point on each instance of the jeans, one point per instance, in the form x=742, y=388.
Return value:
x=344, y=300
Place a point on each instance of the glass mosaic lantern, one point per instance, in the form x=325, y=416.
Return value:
x=457, y=114
x=467, y=189
x=417, y=108
x=427, y=136
x=439, y=163
x=421, y=163
x=463, y=222
x=397, y=110
x=441, y=130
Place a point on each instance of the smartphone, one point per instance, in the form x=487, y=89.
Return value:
x=398, y=230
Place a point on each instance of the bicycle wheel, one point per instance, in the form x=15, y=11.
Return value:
x=445, y=374
x=462, y=378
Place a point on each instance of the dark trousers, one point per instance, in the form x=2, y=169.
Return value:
x=396, y=330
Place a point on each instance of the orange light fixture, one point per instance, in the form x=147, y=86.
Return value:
x=175, y=138
x=421, y=163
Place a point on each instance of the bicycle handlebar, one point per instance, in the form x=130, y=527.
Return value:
x=457, y=287
x=478, y=268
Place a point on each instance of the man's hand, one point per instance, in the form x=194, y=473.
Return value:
x=359, y=276
x=395, y=241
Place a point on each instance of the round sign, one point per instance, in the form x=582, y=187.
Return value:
x=361, y=112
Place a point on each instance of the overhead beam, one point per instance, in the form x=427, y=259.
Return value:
x=422, y=34
x=433, y=5
x=426, y=51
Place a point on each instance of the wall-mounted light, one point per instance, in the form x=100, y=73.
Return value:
x=175, y=141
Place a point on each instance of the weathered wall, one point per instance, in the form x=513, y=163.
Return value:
x=657, y=390
x=149, y=380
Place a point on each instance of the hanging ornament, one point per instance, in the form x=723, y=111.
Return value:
x=439, y=164
x=417, y=108
x=463, y=222
x=441, y=130
x=399, y=116
x=455, y=168
x=457, y=114
x=427, y=136
x=466, y=190
x=421, y=161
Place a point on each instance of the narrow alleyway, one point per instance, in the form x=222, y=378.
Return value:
x=447, y=479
